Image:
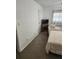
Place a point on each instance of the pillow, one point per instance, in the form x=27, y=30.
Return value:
x=58, y=28
x=54, y=28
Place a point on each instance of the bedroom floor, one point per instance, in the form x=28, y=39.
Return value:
x=36, y=49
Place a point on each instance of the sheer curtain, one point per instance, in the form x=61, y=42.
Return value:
x=57, y=18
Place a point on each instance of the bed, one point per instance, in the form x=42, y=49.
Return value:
x=54, y=43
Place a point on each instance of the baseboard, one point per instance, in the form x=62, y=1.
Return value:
x=28, y=41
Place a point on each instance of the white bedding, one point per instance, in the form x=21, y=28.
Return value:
x=54, y=43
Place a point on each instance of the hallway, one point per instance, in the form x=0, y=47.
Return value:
x=36, y=49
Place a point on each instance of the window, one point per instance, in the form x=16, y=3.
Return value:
x=57, y=18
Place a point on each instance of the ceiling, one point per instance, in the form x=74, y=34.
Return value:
x=50, y=3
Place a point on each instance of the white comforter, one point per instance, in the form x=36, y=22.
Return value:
x=54, y=43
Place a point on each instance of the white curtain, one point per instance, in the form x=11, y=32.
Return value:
x=57, y=17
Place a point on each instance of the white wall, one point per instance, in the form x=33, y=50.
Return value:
x=27, y=21
x=46, y=13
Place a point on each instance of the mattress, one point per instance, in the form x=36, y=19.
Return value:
x=54, y=43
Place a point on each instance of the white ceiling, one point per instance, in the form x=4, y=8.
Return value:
x=50, y=3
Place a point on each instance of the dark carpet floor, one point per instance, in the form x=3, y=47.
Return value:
x=36, y=49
